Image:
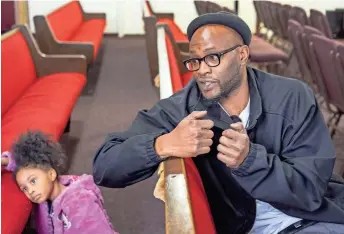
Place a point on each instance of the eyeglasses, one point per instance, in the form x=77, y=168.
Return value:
x=212, y=60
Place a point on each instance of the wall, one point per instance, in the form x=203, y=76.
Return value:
x=125, y=16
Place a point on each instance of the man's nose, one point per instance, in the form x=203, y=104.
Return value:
x=203, y=68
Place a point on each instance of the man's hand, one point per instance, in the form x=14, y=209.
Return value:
x=190, y=138
x=234, y=145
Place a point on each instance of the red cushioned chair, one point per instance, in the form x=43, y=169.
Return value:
x=70, y=30
x=187, y=208
x=38, y=92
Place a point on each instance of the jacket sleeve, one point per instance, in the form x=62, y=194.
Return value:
x=84, y=214
x=298, y=176
x=129, y=157
x=11, y=163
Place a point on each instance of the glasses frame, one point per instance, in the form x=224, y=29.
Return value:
x=218, y=55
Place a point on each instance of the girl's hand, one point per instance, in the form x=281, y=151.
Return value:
x=4, y=162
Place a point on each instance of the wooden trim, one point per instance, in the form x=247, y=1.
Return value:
x=151, y=45
x=183, y=46
x=164, y=15
x=50, y=45
x=49, y=64
x=110, y=34
x=134, y=36
x=9, y=34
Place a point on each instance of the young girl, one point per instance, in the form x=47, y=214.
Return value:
x=66, y=204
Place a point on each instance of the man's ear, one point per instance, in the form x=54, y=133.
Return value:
x=244, y=54
x=52, y=174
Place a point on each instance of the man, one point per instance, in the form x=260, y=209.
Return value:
x=267, y=170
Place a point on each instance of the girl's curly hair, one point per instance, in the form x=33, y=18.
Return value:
x=35, y=149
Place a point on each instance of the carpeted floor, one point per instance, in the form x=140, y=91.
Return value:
x=123, y=87
x=109, y=104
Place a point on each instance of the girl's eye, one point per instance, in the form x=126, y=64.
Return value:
x=33, y=181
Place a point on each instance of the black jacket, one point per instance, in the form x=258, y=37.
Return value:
x=289, y=164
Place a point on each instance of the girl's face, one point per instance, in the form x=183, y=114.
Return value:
x=36, y=183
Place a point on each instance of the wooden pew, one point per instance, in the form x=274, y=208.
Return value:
x=70, y=30
x=38, y=92
x=186, y=208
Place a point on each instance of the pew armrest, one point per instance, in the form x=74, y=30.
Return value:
x=90, y=16
x=183, y=46
x=51, y=64
x=164, y=15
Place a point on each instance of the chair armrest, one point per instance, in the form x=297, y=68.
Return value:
x=73, y=48
x=183, y=46
x=48, y=44
x=51, y=64
x=90, y=16
x=164, y=15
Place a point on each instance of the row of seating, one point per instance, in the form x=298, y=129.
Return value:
x=321, y=64
x=41, y=82
x=317, y=52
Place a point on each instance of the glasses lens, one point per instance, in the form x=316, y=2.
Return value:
x=192, y=65
x=212, y=60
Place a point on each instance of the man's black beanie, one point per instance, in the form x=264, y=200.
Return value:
x=222, y=18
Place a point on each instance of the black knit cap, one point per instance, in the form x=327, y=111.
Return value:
x=222, y=18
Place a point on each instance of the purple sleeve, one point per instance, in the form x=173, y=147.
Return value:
x=11, y=163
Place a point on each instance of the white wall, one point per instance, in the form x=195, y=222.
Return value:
x=125, y=16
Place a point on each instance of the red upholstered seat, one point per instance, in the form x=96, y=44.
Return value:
x=66, y=20
x=90, y=31
x=263, y=51
x=15, y=61
x=68, y=25
x=43, y=106
x=15, y=207
x=178, y=35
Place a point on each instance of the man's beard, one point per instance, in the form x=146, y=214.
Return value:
x=228, y=87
